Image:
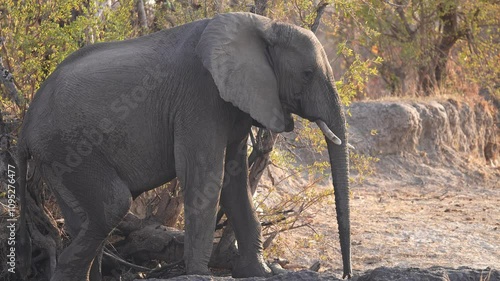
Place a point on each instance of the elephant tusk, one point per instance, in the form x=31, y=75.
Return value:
x=328, y=133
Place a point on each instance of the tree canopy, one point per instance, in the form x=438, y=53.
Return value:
x=415, y=46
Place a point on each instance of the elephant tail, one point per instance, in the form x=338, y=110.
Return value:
x=24, y=242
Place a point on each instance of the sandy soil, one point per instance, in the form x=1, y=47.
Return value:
x=432, y=200
x=409, y=225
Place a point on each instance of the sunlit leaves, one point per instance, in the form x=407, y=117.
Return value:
x=40, y=34
x=362, y=165
x=356, y=77
x=409, y=35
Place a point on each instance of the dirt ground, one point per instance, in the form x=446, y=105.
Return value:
x=451, y=222
x=433, y=200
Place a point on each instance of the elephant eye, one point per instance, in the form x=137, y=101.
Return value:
x=307, y=74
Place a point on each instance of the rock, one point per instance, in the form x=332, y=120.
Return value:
x=436, y=141
x=383, y=127
x=304, y=275
x=378, y=274
x=433, y=127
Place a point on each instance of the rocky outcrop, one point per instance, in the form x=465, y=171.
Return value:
x=426, y=142
x=431, y=128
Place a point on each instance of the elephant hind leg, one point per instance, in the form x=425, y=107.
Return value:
x=73, y=224
x=98, y=203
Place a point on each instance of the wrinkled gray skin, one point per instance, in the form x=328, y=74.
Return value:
x=117, y=119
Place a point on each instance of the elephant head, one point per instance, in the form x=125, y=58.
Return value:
x=271, y=70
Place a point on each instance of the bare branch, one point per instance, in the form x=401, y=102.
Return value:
x=397, y=5
x=8, y=80
x=260, y=7
x=106, y=252
x=320, y=9
x=402, y=16
x=307, y=224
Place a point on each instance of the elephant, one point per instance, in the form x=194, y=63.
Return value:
x=117, y=119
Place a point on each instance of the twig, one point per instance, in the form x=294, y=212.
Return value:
x=285, y=212
x=270, y=174
x=264, y=223
x=395, y=5
x=288, y=228
x=252, y=138
x=300, y=10
x=300, y=170
x=167, y=267
x=269, y=223
x=222, y=224
x=124, y=262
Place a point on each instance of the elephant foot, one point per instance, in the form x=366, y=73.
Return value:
x=255, y=267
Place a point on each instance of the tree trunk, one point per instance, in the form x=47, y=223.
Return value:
x=432, y=74
x=426, y=79
x=320, y=9
x=259, y=158
x=449, y=21
x=143, y=19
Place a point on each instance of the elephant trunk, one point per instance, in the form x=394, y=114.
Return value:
x=340, y=170
x=339, y=161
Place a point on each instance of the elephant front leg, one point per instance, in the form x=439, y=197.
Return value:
x=201, y=180
x=237, y=203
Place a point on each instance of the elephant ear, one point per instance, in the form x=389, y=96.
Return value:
x=233, y=47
